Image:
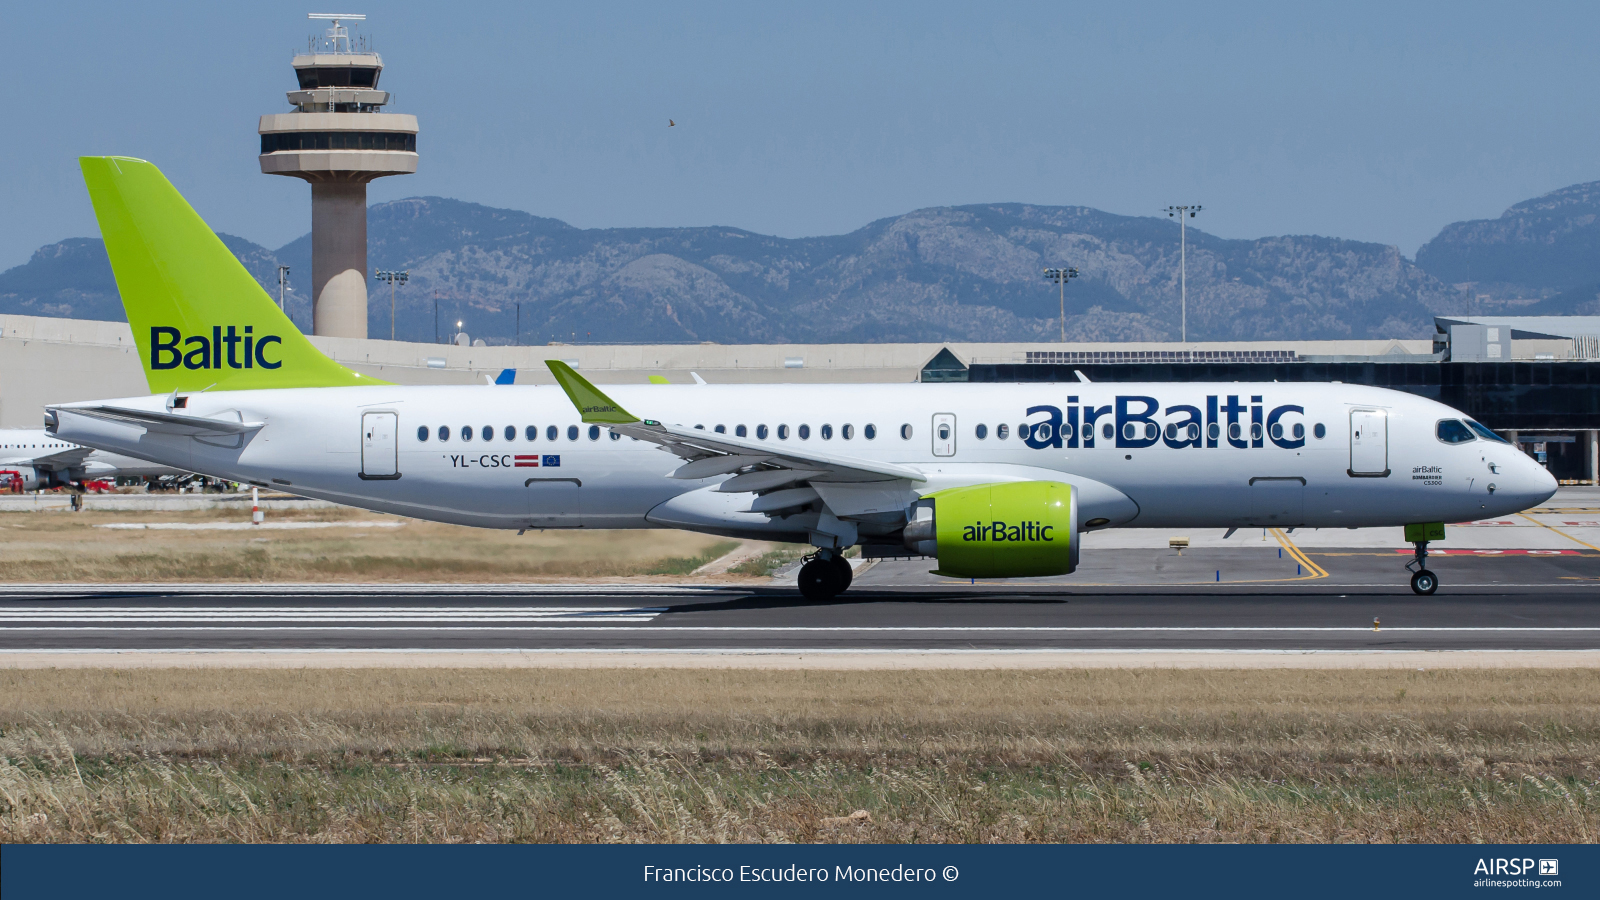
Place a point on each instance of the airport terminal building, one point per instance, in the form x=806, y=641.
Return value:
x=1534, y=379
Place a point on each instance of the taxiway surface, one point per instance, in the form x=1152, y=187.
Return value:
x=1246, y=598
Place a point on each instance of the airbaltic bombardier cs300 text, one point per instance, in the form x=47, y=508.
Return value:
x=991, y=480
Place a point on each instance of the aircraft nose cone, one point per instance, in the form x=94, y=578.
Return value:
x=1531, y=483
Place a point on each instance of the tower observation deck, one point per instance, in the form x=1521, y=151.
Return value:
x=338, y=140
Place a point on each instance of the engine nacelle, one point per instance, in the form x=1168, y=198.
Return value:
x=1010, y=529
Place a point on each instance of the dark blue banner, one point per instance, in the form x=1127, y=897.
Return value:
x=307, y=872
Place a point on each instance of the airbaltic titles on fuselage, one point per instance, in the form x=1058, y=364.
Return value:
x=1130, y=420
x=167, y=349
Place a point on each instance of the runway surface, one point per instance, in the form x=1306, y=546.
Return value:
x=1270, y=596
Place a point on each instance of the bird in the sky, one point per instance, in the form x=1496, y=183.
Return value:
x=670, y=123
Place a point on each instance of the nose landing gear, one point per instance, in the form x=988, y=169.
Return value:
x=1423, y=581
x=825, y=575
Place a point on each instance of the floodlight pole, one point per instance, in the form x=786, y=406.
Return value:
x=392, y=277
x=1060, y=276
x=283, y=275
x=1183, y=262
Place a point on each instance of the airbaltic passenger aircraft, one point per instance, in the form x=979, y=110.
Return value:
x=34, y=459
x=991, y=480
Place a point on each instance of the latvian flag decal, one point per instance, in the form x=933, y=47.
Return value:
x=527, y=462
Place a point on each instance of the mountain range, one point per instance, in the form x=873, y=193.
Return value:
x=966, y=273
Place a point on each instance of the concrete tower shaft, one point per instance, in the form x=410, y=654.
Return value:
x=339, y=141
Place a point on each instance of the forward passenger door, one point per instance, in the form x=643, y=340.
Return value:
x=1369, y=443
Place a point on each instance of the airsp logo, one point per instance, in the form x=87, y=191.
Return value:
x=169, y=348
x=1502, y=866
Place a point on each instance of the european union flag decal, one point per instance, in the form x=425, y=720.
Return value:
x=552, y=460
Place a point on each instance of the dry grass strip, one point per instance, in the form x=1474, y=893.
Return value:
x=67, y=547
x=746, y=755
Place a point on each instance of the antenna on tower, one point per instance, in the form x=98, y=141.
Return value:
x=338, y=35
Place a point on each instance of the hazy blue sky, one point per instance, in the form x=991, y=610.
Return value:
x=1380, y=121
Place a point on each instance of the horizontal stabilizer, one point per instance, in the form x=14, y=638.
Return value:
x=163, y=423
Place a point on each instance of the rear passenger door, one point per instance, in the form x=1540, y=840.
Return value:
x=380, y=446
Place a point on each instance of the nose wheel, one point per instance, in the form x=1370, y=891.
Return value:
x=824, y=577
x=1423, y=581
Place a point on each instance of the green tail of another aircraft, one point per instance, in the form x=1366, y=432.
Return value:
x=199, y=319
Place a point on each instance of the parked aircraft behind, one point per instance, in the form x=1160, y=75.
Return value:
x=32, y=459
x=990, y=480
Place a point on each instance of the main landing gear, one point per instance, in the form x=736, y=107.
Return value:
x=1423, y=581
x=825, y=575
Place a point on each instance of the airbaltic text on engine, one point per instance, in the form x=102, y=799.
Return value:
x=1001, y=531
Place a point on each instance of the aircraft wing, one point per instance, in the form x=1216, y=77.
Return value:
x=64, y=459
x=166, y=423
x=760, y=466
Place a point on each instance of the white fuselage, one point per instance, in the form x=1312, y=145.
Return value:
x=1239, y=464
x=42, y=459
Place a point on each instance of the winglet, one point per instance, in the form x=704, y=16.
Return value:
x=595, y=407
x=506, y=376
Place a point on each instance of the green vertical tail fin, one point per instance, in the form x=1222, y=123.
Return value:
x=199, y=319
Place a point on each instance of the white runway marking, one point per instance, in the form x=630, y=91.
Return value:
x=380, y=624
x=241, y=526
x=232, y=590
x=370, y=617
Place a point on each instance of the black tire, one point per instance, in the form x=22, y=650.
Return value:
x=818, y=580
x=1424, y=582
x=843, y=572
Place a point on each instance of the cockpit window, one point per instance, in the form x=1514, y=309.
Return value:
x=1484, y=432
x=1451, y=431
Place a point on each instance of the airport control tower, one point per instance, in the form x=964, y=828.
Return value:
x=338, y=140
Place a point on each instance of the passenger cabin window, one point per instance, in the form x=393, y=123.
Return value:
x=488, y=432
x=1319, y=430
x=444, y=433
x=827, y=432
x=1001, y=432
x=761, y=432
x=721, y=429
x=466, y=432
x=741, y=431
x=982, y=431
x=1108, y=432
x=422, y=433
x=847, y=432
x=1451, y=431
x=551, y=433
x=532, y=432
x=905, y=432
x=804, y=431
x=572, y=432
x=869, y=432
x=511, y=432
x=594, y=432
x=783, y=432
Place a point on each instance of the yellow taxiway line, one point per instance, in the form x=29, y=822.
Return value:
x=1313, y=571
x=1558, y=531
